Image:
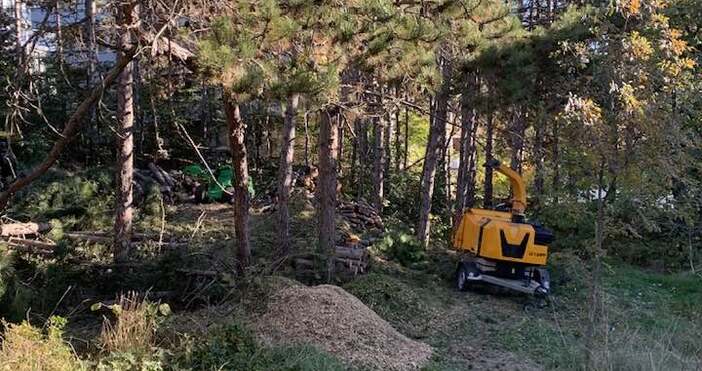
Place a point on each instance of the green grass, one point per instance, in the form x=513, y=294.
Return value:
x=652, y=321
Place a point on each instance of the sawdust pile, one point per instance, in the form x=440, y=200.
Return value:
x=334, y=320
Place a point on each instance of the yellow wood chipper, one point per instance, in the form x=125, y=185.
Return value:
x=500, y=247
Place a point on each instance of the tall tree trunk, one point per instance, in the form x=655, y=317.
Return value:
x=487, y=186
x=379, y=163
x=307, y=140
x=517, y=138
x=59, y=34
x=556, y=180
x=398, y=140
x=91, y=46
x=595, y=304
x=389, y=133
x=237, y=144
x=128, y=19
x=340, y=147
x=406, y=141
x=354, y=155
x=539, y=162
x=19, y=31
x=91, y=42
x=437, y=133
x=465, y=182
x=287, y=155
x=326, y=190
x=362, y=134
x=446, y=164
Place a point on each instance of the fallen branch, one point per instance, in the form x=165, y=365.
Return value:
x=31, y=246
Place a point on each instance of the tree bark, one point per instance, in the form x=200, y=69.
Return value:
x=124, y=213
x=437, y=133
x=237, y=144
x=285, y=171
x=326, y=192
x=69, y=131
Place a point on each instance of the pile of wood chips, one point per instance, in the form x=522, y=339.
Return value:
x=333, y=319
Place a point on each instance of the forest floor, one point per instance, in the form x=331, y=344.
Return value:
x=650, y=321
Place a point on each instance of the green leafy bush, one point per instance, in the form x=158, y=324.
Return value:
x=402, y=247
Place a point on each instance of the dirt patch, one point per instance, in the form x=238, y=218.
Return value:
x=336, y=321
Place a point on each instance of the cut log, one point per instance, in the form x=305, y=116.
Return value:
x=31, y=246
x=198, y=272
x=21, y=229
x=351, y=253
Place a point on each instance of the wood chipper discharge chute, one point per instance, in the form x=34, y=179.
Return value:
x=501, y=247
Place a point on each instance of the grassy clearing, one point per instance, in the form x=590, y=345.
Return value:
x=652, y=321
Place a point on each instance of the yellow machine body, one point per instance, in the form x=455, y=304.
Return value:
x=495, y=235
x=492, y=235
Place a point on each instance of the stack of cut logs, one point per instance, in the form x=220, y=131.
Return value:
x=350, y=260
x=351, y=256
x=361, y=216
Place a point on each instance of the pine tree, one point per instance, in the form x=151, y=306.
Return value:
x=128, y=19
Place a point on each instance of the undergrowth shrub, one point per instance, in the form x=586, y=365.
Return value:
x=27, y=348
x=129, y=342
x=82, y=200
x=399, y=186
x=14, y=297
x=401, y=246
x=6, y=271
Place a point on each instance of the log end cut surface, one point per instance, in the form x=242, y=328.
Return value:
x=334, y=320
